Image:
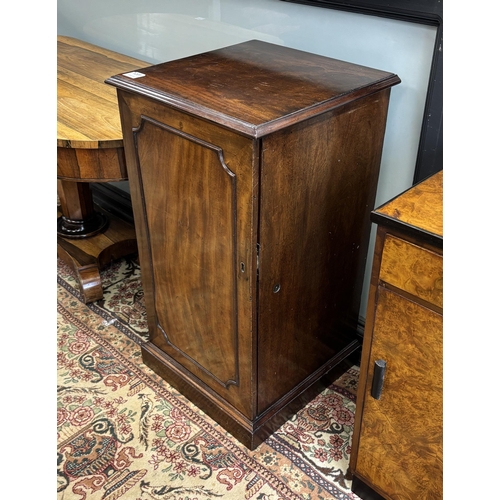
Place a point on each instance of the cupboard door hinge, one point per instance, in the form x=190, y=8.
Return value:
x=258, y=260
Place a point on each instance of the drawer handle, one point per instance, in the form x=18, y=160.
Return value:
x=378, y=378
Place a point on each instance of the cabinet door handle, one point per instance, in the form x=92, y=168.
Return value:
x=378, y=378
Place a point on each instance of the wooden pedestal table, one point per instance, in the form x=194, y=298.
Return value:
x=89, y=149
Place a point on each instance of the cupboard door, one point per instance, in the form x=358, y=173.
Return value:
x=400, y=449
x=195, y=193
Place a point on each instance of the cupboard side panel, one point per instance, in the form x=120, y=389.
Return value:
x=318, y=187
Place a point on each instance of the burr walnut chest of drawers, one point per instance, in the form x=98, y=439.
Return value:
x=252, y=171
x=397, y=442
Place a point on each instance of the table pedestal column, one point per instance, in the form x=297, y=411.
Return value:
x=79, y=219
x=87, y=239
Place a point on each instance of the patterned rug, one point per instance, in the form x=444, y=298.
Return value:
x=124, y=433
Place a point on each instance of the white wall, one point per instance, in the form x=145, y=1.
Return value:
x=161, y=30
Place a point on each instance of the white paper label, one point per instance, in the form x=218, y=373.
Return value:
x=134, y=74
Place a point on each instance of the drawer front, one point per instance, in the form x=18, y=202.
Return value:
x=413, y=269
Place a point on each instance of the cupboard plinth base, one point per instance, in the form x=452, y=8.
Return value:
x=250, y=433
x=364, y=491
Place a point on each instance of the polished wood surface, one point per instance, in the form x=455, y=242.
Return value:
x=195, y=227
x=255, y=87
x=400, y=446
x=87, y=109
x=89, y=149
x=313, y=239
x=397, y=449
x=89, y=137
x=413, y=269
x=252, y=249
x=89, y=255
x=417, y=210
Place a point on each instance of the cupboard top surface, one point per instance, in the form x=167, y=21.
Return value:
x=255, y=87
x=417, y=210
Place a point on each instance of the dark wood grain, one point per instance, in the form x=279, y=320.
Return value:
x=252, y=171
x=256, y=87
x=314, y=241
x=91, y=165
x=191, y=187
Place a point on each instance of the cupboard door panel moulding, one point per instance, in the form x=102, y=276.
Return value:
x=196, y=215
x=195, y=233
x=252, y=225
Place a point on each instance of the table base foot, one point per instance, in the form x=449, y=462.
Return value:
x=87, y=256
x=89, y=279
x=82, y=228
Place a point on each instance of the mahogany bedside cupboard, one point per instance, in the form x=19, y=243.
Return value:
x=397, y=450
x=252, y=171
